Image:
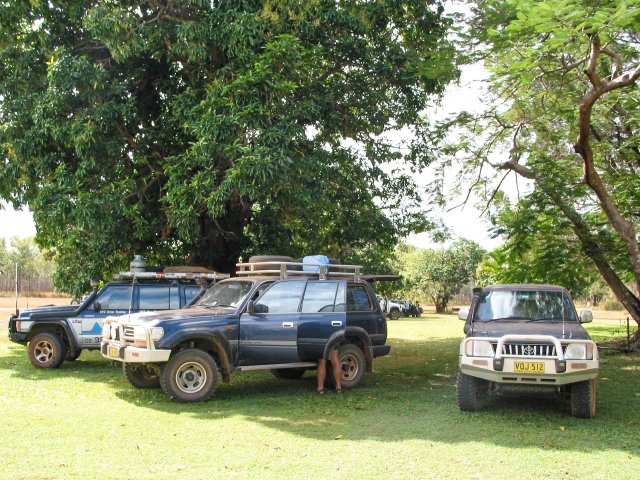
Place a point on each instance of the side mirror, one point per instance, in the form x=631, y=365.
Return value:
x=251, y=307
x=586, y=316
x=97, y=307
x=463, y=314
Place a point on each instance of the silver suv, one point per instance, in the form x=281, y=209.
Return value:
x=527, y=340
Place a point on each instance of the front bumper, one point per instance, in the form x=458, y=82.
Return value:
x=576, y=371
x=380, y=350
x=555, y=370
x=130, y=354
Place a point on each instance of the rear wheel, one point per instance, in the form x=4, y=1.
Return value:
x=352, y=366
x=47, y=350
x=190, y=376
x=583, y=399
x=288, y=373
x=141, y=376
x=471, y=392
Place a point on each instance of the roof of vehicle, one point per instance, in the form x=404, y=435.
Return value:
x=526, y=287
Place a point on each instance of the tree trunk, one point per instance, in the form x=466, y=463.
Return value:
x=592, y=249
x=222, y=240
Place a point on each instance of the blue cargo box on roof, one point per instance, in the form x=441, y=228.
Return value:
x=310, y=262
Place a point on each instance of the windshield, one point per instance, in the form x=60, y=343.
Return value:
x=226, y=294
x=525, y=305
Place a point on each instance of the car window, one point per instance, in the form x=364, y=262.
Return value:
x=525, y=304
x=282, y=297
x=319, y=297
x=190, y=292
x=115, y=298
x=226, y=294
x=159, y=297
x=358, y=299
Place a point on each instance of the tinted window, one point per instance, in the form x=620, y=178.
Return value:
x=283, y=297
x=159, y=297
x=115, y=298
x=358, y=299
x=319, y=297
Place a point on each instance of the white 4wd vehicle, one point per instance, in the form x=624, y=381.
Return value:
x=527, y=340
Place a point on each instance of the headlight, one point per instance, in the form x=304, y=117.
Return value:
x=576, y=351
x=478, y=348
x=106, y=331
x=139, y=336
x=579, y=351
x=114, y=331
x=156, y=333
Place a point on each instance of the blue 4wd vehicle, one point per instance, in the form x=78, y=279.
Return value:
x=54, y=334
x=273, y=316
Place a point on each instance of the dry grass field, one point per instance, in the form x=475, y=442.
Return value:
x=8, y=305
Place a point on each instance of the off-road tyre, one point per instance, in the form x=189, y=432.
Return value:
x=288, y=373
x=141, y=376
x=583, y=399
x=46, y=350
x=74, y=357
x=189, y=376
x=269, y=258
x=471, y=392
x=395, y=314
x=352, y=364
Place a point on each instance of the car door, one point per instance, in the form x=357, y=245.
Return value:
x=322, y=314
x=268, y=335
x=113, y=300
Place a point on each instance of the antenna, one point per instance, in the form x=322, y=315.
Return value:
x=17, y=313
x=562, y=308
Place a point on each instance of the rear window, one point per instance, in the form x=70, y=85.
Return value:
x=358, y=299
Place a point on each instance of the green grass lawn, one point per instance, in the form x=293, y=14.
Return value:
x=85, y=421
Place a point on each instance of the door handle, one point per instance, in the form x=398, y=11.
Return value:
x=336, y=323
x=287, y=324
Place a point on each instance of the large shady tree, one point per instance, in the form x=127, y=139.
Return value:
x=200, y=130
x=564, y=116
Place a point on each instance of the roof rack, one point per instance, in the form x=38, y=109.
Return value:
x=171, y=276
x=292, y=269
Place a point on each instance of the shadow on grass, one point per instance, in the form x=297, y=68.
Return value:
x=409, y=396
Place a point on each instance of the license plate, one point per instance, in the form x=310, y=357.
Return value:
x=113, y=352
x=528, y=367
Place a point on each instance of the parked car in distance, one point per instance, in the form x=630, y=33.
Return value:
x=275, y=315
x=526, y=340
x=54, y=334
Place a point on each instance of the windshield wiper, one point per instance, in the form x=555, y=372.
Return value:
x=503, y=318
x=548, y=319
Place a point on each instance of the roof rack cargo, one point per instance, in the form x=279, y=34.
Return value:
x=171, y=275
x=290, y=269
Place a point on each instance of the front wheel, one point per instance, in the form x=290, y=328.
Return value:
x=74, y=357
x=471, y=392
x=352, y=367
x=394, y=314
x=583, y=399
x=47, y=350
x=141, y=376
x=190, y=376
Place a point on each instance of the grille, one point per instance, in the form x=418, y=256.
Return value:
x=528, y=349
x=127, y=333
